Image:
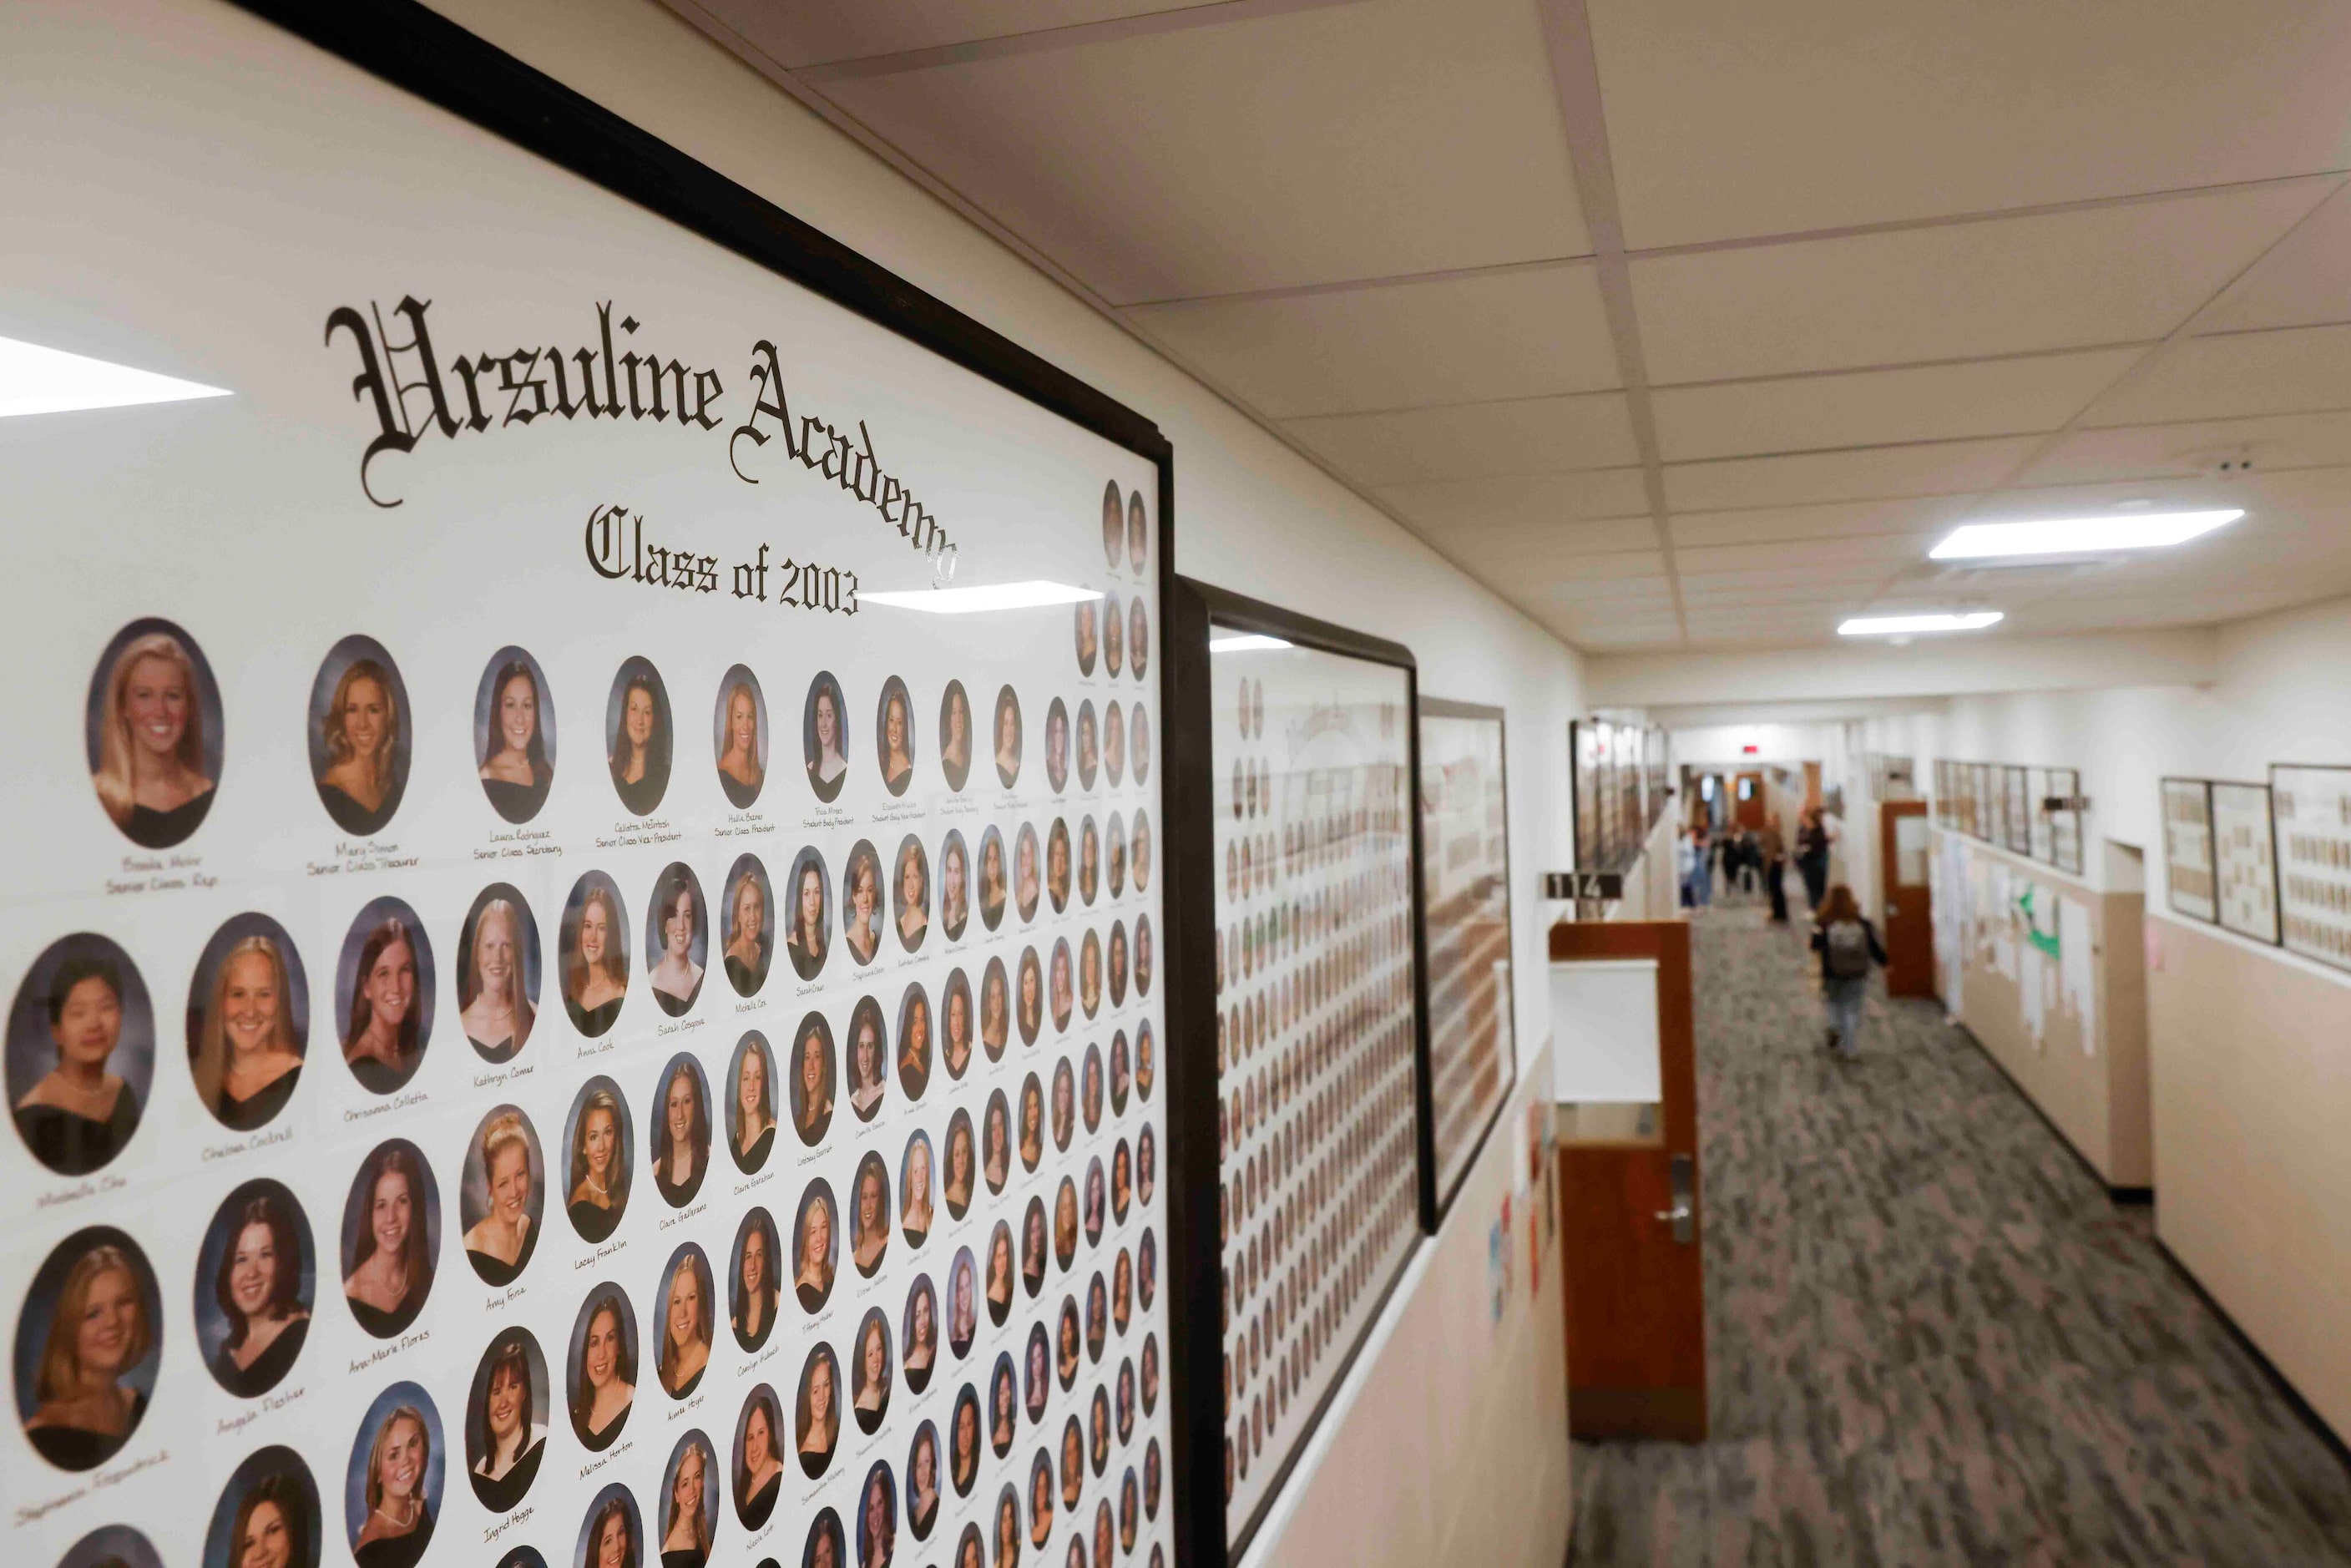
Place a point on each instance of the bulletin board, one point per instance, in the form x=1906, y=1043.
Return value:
x=553, y=1019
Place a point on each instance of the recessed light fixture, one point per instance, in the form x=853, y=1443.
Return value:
x=1906, y=626
x=2082, y=535
x=35, y=380
x=1028, y=595
x=1244, y=642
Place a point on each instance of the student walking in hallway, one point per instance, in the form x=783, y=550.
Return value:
x=1773, y=848
x=1848, y=946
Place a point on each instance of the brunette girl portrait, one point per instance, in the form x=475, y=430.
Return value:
x=1008, y=736
x=1113, y=635
x=962, y=1166
x=954, y=736
x=677, y=940
x=390, y=1236
x=995, y=884
x=613, y=1536
x=257, y=1281
x=1113, y=745
x=1138, y=535
x=868, y=1059
x=152, y=731
x=894, y=731
x=600, y=1147
x=870, y=1375
x=914, y=1042
x=740, y=741
x=808, y=919
x=594, y=946
x=384, y=995
x=1057, y=746
x=824, y=736
x=1114, y=526
x=505, y=1420
x=514, y=735
x=268, y=1515
x=869, y=1235
x=81, y=1053
x=681, y=1134
x=955, y=885
x=603, y=1368
x=1089, y=744
x=995, y=1009
x=503, y=1195
x=359, y=730
x=393, y=1494
x=919, y=1333
x=497, y=973
x=637, y=736
x=758, y=1458
x=956, y=1024
x=89, y=1339
x=751, y=1107
x=753, y=1284
x=811, y=1080
x=864, y=905
x=749, y=930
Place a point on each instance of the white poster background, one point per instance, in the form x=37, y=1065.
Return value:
x=193, y=192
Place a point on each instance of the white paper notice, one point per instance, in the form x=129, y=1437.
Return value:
x=2077, y=970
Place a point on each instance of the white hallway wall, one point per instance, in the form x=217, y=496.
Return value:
x=1251, y=515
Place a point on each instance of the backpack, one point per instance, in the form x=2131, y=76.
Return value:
x=1847, y=950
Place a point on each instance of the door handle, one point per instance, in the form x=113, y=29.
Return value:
x=1683, y=1215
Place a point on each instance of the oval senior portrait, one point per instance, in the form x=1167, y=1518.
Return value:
x=80, y=1053
x=360, y=730
x=152, y=731
x=90, y=1340
x=514, y=735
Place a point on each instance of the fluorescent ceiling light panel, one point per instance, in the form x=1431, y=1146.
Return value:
x=2082, y=535
x=974, y=600
x=34, y=380
x=1244, y=642
x=1905, y=625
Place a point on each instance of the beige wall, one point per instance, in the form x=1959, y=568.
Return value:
x=2253, y=1101
x=1486, y=1431
x=2096, y=1098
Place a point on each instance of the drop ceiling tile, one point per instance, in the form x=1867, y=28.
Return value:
x=2272, y=442
x=1731, y=119
x=1468, y=440
x=1870, y=473
x=1866, y=408
x=1521, y=500
x=797, y=34
x=2304, y=282
x=2293, y=371
x=2121, y=274
x=1534, y=547
x=1523, y=333
x=1843, y=519
x=1632, y=634
x=1857, y=557
x=1344, y=141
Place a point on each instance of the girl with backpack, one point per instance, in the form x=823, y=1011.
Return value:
x=1847, y=944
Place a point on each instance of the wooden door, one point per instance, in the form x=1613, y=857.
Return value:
x=1747, y=795
x=1636, y=1290
x=1904, y=844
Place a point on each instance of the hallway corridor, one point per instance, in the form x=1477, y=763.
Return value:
x=1933, y=1338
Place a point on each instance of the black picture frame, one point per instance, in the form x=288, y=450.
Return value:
x=439, y=62
x=1443, y=708
x=2203, y=791
x=1196, y=1348
x=2312, y=952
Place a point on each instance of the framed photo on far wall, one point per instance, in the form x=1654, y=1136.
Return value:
x=2065, y=827
x=1464, y=834
x=2036, y=791
x=2244, y=864
x=2187, y=878
x=2313, y=811
x=2017, y=821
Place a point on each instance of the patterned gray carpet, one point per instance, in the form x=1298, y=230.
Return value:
x=1934, y=1340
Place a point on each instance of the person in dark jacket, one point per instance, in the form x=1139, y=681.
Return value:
x=1773, y=849
x=1812, y=856
x=1847, y=944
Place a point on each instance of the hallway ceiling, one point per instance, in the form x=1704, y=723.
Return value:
x=1691, y=325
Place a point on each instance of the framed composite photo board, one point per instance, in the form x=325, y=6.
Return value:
x=559, y=1014
x=1464, y=834
x=2188, y=863
x=1303, y=1079
x=2312, y=807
